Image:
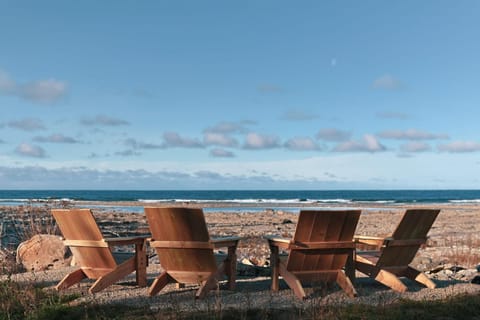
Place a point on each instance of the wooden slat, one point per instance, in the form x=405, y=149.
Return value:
x=405, y=242
x=192, y=276
x=86, y=243
x=125, y=241
x=323, y=245
x=225, y=242
x=181, y=244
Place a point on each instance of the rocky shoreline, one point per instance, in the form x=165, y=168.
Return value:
x=451, y=257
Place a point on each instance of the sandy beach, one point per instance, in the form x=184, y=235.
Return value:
x=451, y=258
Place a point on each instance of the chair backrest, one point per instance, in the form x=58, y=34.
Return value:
x=323, y=227
x=409, y=235
x=79, y=224
x=181, y=239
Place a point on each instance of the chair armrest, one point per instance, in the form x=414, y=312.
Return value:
x=277, y=241
x=125, y=241
x=225, y=242
x=370, y=241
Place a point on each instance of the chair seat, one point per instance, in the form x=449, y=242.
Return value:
x=371, y=256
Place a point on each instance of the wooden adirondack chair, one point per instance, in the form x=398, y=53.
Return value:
x=391, y=256
x=185, y=250
x=320, y=249
x=93, y=253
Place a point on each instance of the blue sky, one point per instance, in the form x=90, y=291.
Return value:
x=239, y=95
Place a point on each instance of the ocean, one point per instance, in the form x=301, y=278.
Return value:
x=347, y=197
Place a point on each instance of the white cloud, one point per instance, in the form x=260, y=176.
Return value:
x=387, y=82
x=56, y=138
x=103, y=120
x=333, y=135
x=221, y=153
x=301, y=144
x=219, y=139
x=40, y=91
x=411, y=134
x=460, y=147
x=173, y=139
x=367, y=144
x=259, y=141
x=29, y=150
x=415, y=146
x=27, y=124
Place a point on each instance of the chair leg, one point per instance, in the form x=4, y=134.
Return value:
x=70, y=279
x=211, y=282
x=344, y=282
x=350, y=267
x=141, y=264
x=274, y=262
x=420, y=277
x=292, y=281
x=231, y=267
x=159, y=283
x=382, y=276
x=121, y=271
x=390, y=280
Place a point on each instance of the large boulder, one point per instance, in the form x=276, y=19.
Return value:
x=43, y=252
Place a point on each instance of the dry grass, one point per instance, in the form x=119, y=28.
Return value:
x=462, y=251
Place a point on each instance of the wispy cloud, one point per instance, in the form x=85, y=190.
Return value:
x=301, y=144
x=27, y=124
x=299, y=115
x=387, y=82
x=56, y=138
x=227, y=127
x=221, y=153
x=40, y=91
x=393, y=115
x=173, y=139
x=255, y=141
x=135, y=144
x=93, y=155
x=269, y=88
x=415, y=146
x=411, y=134
x=37, y=177
x=333, y=135
x=128, y=153
x=104, y=121
x=460, y=147
x=368, y=143
x=29, y=150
